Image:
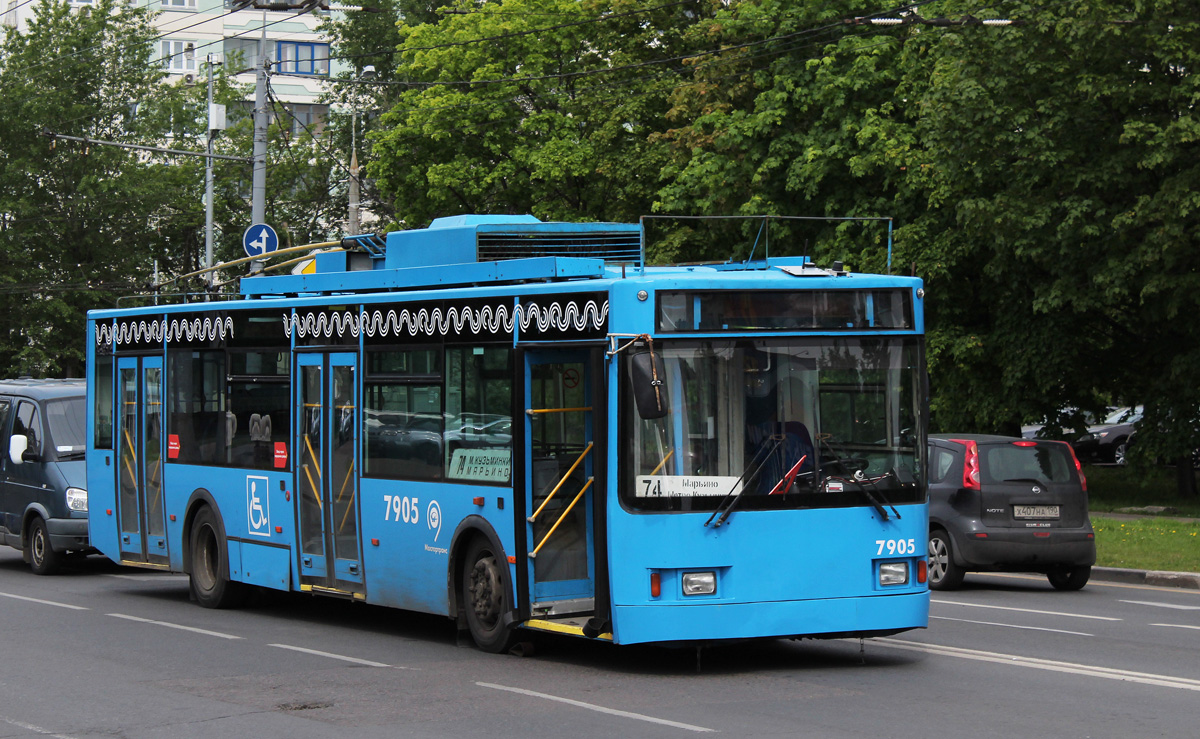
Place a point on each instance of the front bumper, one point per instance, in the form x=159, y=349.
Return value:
x=68, y=534
x=874, y=615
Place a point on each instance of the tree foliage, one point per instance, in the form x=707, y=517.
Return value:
x=530, y=106
x=70, y=213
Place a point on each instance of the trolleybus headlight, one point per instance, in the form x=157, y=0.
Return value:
x=893, y=573
x=699, y=583
x=77, y=499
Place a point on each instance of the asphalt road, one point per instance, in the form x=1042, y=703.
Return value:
x=102, y=651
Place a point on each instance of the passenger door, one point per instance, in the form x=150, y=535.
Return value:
x=327, y=473
x=140, y=508
x=559, y=479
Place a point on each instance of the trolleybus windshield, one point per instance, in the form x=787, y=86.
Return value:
x=788, y=422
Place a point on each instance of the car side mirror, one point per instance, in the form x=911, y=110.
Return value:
x=18, y=446
x=648, y=375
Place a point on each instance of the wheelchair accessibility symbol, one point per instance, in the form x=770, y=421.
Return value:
x=258, y=509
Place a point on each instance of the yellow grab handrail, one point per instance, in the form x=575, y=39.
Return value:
x=660, y=464
x=536, y=549
x=535, y=411
x=312, y=454
x=313, y=485
x=587, y=449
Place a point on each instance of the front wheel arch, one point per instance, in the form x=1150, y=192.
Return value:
x=468, y=528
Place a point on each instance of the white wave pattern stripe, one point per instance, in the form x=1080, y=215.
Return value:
x=457, y=320
x=208, y=328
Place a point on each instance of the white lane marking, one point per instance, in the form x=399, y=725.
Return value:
x=1011, y=626
x=45, y=602
x=34, y=729
x=1023, y=610
x=598, y=709
x=144, y=578
x=1091, y=583
x=1179, y=626
x=331, y=655
x=170, y=625
x=1145, y=678
x=1162, y=605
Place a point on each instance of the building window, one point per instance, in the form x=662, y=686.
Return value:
x=246, y=49
x=179, y=4
x=307, y=118
x=175, y=57
x=296, y=57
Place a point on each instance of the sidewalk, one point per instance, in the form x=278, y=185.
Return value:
x=1189, y=580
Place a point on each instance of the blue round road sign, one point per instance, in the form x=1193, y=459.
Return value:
x=260, y=239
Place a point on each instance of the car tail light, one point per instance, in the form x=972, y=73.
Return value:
x=1024, y=443
x=655, y=585
x=1078, y=467
x=970, y=464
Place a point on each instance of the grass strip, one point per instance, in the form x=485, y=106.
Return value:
x=1147, y=543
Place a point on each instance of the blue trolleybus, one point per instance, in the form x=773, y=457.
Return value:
x=519, y=425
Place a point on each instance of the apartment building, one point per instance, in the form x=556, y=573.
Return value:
x=191, y=30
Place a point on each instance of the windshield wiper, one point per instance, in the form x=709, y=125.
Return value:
x=725, y=507
x=862, y=481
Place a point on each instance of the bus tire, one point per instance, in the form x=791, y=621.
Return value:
x=944, y=574
x=43, y=560
x=485, y=600
x=210, y=558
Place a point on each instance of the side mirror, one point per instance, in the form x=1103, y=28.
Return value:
x=18, y=444
x=648, y=375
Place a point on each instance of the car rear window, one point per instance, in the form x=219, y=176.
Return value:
x=1043, y=463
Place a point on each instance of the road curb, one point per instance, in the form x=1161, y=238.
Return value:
x=1188, y=580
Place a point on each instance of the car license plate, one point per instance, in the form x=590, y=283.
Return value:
x=1035, y=511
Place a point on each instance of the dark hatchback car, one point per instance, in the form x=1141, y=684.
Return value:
x=1004, y=504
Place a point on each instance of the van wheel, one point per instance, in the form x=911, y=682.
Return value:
x=943, y=573
x=485, y=599
x=43, y=560
x=1070, y=578
x=209, y=559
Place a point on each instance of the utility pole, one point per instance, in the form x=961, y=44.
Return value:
x=216, y=122
x=258, y=190
x=352, y=226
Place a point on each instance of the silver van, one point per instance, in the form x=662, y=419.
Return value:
x=43, y=480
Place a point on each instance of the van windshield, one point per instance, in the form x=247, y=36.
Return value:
x=66, y=418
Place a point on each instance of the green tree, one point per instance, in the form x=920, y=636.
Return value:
x=538, y=106
x=75, y=219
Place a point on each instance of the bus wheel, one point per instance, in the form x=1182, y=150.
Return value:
x=485, y=599
x=209, y=559
x=43, y=560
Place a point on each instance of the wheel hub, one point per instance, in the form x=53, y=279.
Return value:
x=485, y=591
